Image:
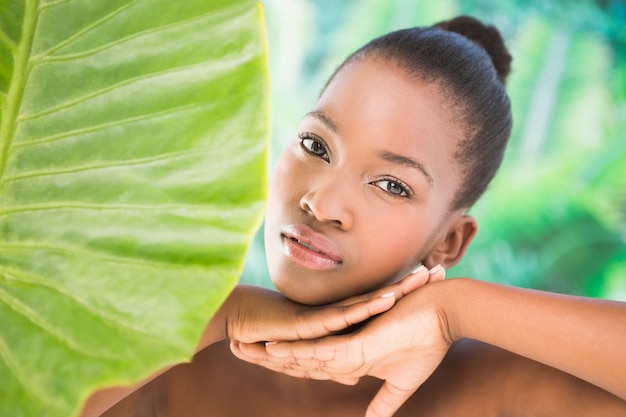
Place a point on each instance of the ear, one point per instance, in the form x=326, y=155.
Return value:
x=453, y=246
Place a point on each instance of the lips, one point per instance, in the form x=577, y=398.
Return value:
x=308, y=248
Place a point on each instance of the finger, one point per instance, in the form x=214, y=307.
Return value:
x=249, y=352
x=437, y=273
x=310, y=370
x=303, y=374
x=417, y=278
x=347, y=381
x=321, y=350
x=256, y=354
x=388, y=400
x=335, y=353
x=316, y=375
x=327, y=320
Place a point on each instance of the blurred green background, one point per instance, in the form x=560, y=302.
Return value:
x=555, y=216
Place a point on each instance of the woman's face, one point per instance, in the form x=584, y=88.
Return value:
x=362, y=195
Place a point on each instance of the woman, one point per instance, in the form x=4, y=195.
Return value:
x=404, y=138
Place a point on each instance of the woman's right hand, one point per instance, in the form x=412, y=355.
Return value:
x=253, y=314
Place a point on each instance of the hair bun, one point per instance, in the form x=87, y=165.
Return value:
x=486, y=36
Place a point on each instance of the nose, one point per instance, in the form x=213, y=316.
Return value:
x=330, y=203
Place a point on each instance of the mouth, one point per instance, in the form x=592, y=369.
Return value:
x=306, y=245
x=312, y=250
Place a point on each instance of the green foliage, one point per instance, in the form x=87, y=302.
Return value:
x=541, y=229
x=132, y=176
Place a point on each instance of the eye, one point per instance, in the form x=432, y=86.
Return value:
x=314, y=145
x=394, y=187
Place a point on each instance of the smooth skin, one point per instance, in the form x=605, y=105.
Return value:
x=377, y=190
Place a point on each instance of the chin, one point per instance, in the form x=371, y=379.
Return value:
x=299, y=295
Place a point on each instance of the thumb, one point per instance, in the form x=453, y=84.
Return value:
x=388, y=400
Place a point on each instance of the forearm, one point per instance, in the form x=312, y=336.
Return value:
x=582, y=336
x=217, y=328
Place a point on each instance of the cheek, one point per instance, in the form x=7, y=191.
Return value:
x=398, y=245
x=283, y=203
x=410, y=235
x=283, y=184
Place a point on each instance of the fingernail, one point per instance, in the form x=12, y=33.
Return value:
x=388, y=295
x=435, y=269
x=417, y=268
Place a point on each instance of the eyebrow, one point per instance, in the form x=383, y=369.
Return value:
x=405, y=160
x=326, y=121
x=385, y=155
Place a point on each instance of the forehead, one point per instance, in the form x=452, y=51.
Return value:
x=376, y=103
x=380, y=93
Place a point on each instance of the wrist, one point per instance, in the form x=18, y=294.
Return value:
x=220, y=325
x=249, y=314
x=447, y=299
x=472, y=309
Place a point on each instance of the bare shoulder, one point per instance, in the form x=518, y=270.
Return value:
x=216, y=383
x=213, y=383
x=477, y=379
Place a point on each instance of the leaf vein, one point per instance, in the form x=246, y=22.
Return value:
x=96, y=255
x=122, y=164
x=11, y=363
x=115, y=320
x=86, y=29
x=109, y=89
x=52, y=3
x=204, y=208
x=173, y=25
x=114, y=123
x=17, y=83
x=32, y=316
x=4, y=38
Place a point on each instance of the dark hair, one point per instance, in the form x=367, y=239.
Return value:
x=469, y=62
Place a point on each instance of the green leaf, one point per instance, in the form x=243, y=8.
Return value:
x=133, y=143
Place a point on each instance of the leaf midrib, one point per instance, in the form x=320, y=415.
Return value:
x=18, y=82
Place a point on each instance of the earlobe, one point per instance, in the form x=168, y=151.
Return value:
x=452, y=248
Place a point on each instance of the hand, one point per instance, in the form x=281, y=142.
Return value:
x=403, y=347
x=419, y=277
x=259, y=315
